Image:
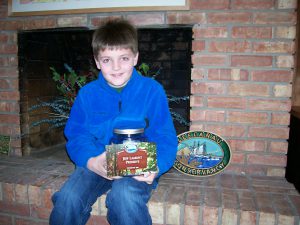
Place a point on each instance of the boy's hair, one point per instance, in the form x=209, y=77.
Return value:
x=117, y=33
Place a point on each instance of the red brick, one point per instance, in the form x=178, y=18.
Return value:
x=236, y=168
x=195, y=126
x=285, y=61
x=252, y=32
x=210, y=216
x=246, y=198
x=265, y=204
x=35, y=195
x=21, y=194
x=196, y=101
x=207, y=88
x=247, y=145
x=193, y=196
x=239, y=89
x=248, y=218
x=295, y=200
x=8, y=192
x=175, y=195
x=279, y=146
x=191, y=215
x=229, y=216
x=272, y=160
x=228, y=74
x=227, y=130
x=287, y=32
x=283, y=4
x=23, y=221
x=9, y=119
x=4, y=84
x=11, y=25
x=269, y=132
x=280, y=118
x=282, y=205
x=272, y=75
x=72, y=21
x=9, y=61
x=8, y=49
x=46, y=198
x=147, y=19
x=270, y=105
x=39, y=212
x=276, y=18
x=9, y=106
x=198, y=45
x=210, y=32
x=226, y=102
x=260, y=170
x=197, y=74
x=41, y=23
x=99, y=20
x=247, y=117
x=9, y=95
x=185, y=18
x=274, y=47
x=6, y=220
x=251, y=60
x=9, y=72
x=204, y=115
x=209, y=60
x=211, y=4
x=9, y=130
x=229, y=46
x=4, y=61
x=4, y=38
x=9, y=84
x=238, y=158
x=228, y=17
x=252, y=4
x=13, y=208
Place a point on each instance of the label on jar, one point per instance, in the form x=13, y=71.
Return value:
x=132, y=158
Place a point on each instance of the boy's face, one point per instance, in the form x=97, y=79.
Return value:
x=116, y=65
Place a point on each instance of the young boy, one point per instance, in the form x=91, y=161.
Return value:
x=119, y=98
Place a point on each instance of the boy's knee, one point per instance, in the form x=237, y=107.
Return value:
x=128, y=190
x=66, y=199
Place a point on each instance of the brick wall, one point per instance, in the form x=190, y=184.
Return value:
x=243, y=64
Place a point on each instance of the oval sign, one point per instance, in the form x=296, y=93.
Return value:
x=201, y=153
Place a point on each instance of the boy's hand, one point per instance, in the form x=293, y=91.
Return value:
x=98, y=165
x=147, y=177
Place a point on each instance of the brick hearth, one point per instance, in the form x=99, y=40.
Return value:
x=26, y=186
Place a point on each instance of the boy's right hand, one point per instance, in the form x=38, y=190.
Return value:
x=97, y=164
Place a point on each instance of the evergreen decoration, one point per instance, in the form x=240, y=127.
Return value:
x=4, y=144
x=57, y=110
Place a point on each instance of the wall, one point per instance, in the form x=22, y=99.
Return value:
x=243, y=64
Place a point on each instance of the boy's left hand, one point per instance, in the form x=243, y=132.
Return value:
x=147, y=177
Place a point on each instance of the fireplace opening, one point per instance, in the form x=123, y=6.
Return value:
x=166, y=50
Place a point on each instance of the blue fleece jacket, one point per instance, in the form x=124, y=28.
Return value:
x=99, y=108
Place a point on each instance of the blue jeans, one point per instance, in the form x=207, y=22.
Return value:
x=126, y=200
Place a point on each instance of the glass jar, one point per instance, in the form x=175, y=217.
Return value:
x=126, y=136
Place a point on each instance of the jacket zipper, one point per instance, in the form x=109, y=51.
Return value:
x=120, y=105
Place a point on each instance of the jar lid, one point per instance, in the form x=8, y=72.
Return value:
x=129, y=131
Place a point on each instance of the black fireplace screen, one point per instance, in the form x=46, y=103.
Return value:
x=166, y=50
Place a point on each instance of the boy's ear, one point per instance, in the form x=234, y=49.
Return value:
x=97, y=63
x=136, y=58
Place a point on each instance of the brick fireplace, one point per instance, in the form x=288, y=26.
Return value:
x=243, y=68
